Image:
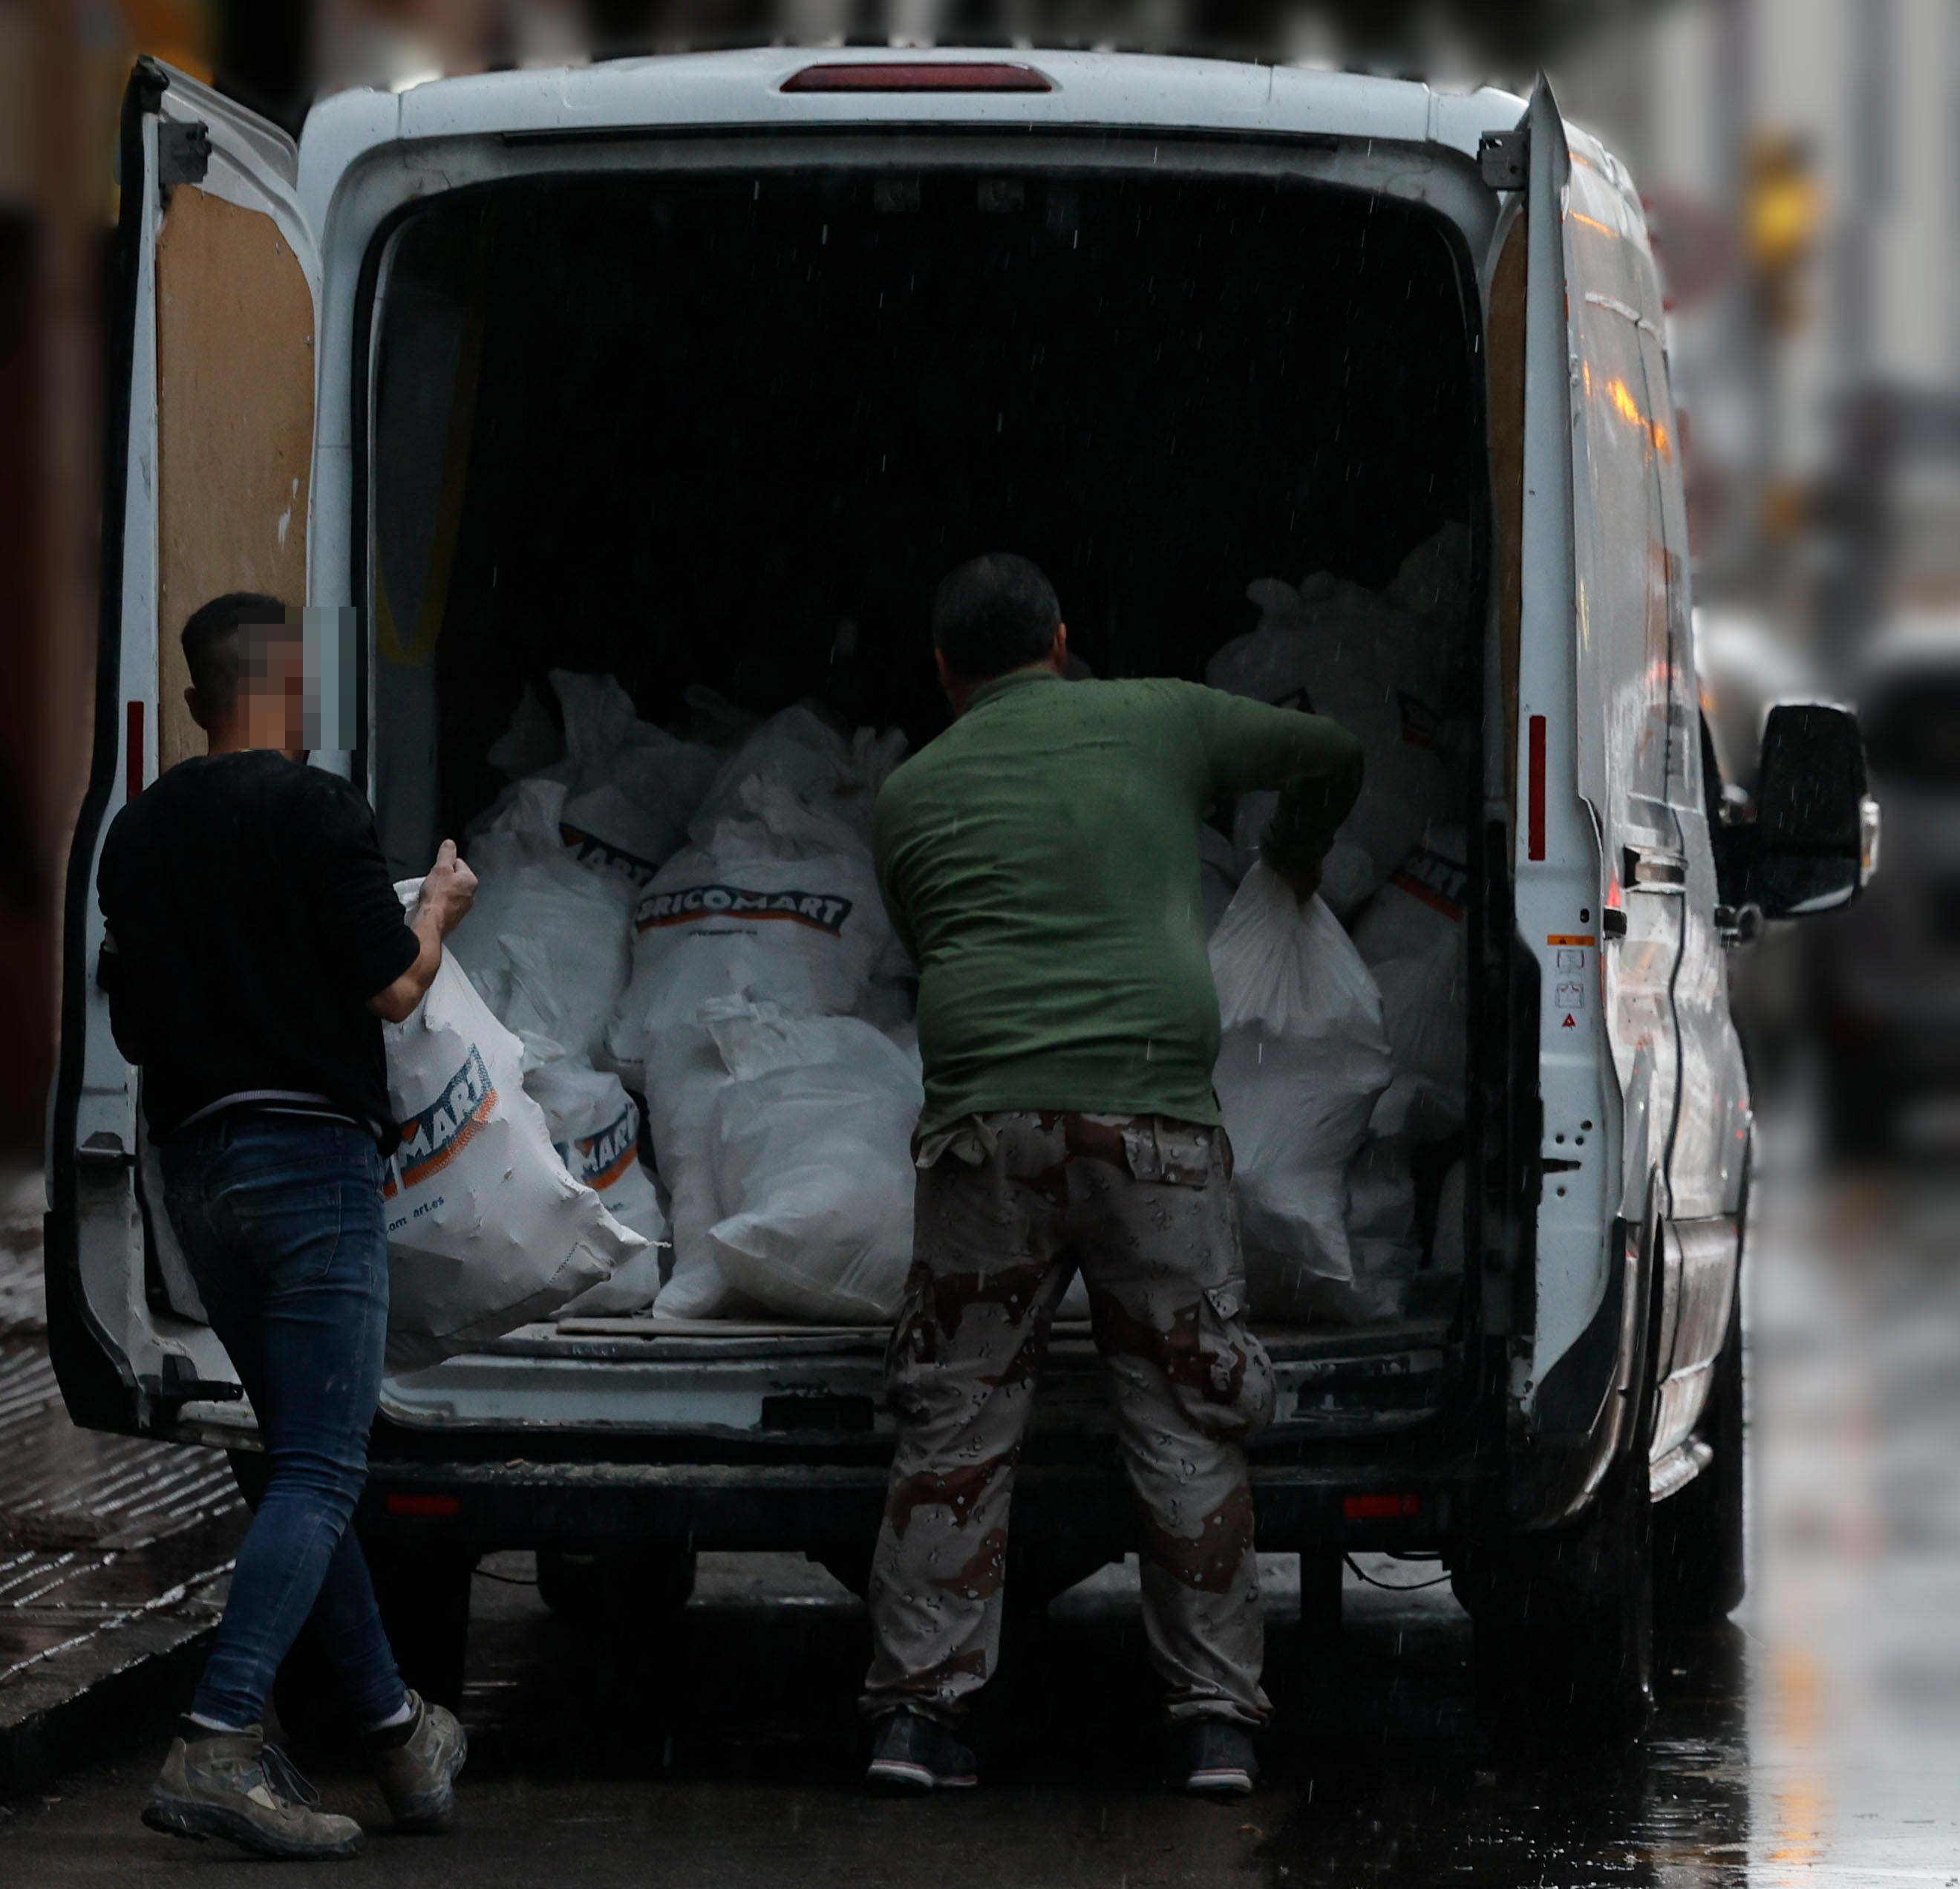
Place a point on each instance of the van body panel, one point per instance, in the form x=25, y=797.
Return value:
x=1089, y=89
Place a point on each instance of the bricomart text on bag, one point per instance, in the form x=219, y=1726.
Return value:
x=432, y=1139
x=819, y=910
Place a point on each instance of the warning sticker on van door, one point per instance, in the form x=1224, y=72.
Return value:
x=1570, y=974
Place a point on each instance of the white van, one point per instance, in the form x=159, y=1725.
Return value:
x=700, y=369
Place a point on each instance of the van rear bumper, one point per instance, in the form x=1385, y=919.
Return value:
x=480, y=1507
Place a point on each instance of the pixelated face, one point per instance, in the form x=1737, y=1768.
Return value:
x=272, y=688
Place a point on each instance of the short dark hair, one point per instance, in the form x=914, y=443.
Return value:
x=994, y=613
x=210, y=640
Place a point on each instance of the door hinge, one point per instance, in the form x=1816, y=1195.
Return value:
x=1503, y=158
x=184, y=153
x=104, y=1148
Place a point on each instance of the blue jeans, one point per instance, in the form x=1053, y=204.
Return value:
x=280, y=1223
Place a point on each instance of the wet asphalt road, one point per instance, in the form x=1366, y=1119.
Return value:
x=1816, y=1743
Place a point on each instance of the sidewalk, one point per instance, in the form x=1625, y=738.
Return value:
x=114, y=1552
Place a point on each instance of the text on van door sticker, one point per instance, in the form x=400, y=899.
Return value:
x=431, y=1140
x=819, y=910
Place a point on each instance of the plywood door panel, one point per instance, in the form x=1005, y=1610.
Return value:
x=235, y=400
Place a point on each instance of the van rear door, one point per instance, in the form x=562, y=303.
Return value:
x=1598, y=856
x=208, y=447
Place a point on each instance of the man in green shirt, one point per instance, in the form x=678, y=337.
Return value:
x=1041, y=860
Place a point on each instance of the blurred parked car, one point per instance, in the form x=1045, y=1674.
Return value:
x=1886, y=972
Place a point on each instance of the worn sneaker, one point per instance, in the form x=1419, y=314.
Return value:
x=416, y=1764
x=235, y=1786
x=910, y=1753
x=1213, y=1757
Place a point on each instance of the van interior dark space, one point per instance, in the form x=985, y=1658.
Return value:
x=731, y=430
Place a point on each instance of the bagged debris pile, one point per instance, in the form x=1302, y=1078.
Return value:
x=811, y=1147
x=487, y=1230
x=1379, y=664
x=548, y=941
x=1303, y=1058
x=787, y=1139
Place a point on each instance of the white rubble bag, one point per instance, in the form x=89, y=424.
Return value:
x=1303, y=1058
x=813, y=1168
x=1411, y=938
x=487, y=1230
x=1382, y=1240
x=1434, y=580
x=1341, y=651
x=782, y=906
x=595, y=1126
x=685, y=1073
x=548, y=943
x=690, y=1068
x=799, y=759
x=634, y=787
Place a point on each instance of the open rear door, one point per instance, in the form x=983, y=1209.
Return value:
x=208, y=399
x=1584, y=598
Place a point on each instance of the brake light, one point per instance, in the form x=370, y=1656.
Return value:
x=1535, y=821
x=911, y=76
x=1380, y=1507
x=400, y=1504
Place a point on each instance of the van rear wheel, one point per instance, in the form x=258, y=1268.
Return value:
x=609, y=1587
x=1563, y=1642
x=1701, y=1569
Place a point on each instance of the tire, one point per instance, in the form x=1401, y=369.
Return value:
x=425, y=1599
x=1563, y=1641
x=424, y=1596
x=611, y=1587
x=1701, y=1565
x=1564, y=1625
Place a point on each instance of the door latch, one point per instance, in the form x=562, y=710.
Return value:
x=1503, y=158
x=184, y=153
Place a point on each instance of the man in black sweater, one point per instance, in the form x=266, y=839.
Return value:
x=254, y=945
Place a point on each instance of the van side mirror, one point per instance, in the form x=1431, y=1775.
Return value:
x=1815, y=832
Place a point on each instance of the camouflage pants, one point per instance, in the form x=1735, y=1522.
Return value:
x=1009, y=1206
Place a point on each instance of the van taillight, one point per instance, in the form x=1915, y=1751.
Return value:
x=1534, y=790
x=1380, y=1507
x=402, y=1504
x=945, y=76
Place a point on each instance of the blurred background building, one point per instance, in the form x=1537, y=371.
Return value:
x=1801, y=159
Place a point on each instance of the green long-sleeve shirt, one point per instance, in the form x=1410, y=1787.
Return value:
x=1040, y=859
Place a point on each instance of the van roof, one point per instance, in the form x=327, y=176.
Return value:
x=1122, y=90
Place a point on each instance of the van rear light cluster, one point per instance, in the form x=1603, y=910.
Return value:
x=402, y=1503
x=1380, y=1507
x=945, y=75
